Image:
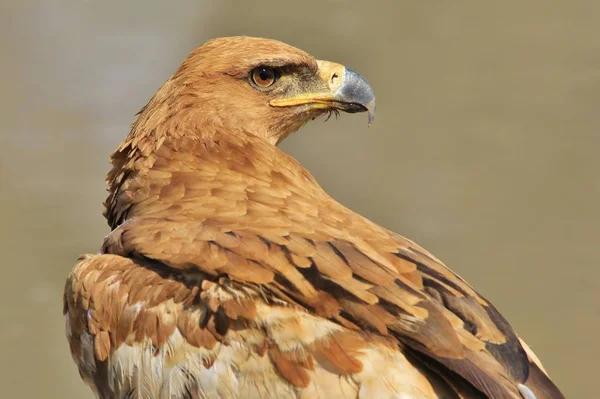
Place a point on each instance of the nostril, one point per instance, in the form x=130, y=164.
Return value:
x=334, y=76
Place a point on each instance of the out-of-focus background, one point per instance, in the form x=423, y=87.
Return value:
x=484, y=150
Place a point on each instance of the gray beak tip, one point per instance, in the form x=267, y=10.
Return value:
x=356, y=90
x=370, y=112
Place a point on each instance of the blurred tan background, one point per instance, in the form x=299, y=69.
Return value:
x=484, y=150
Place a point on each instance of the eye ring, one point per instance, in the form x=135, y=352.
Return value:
x=264, y=76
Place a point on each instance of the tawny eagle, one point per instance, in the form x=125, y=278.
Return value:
x=230, y=273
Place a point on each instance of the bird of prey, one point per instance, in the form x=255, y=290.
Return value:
x=230, y=273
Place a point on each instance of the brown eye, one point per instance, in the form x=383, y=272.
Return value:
x=263, y=76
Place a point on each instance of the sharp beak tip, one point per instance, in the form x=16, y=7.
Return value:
x=370, y=112
x=356, y=90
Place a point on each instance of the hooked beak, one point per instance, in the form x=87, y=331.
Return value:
x=345, y=90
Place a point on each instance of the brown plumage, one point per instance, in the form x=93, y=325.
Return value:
x=230, y=273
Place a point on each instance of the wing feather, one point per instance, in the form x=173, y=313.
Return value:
x=269, y=224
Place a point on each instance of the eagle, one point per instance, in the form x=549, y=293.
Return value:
x=230, y=273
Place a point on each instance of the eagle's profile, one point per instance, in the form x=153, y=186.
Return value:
x=230, y=273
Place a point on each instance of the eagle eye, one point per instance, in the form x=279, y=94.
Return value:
x=264, y=76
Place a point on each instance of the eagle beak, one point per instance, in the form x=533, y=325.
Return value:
x=345, y=90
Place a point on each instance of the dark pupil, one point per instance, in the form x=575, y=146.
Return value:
x=264, y=74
